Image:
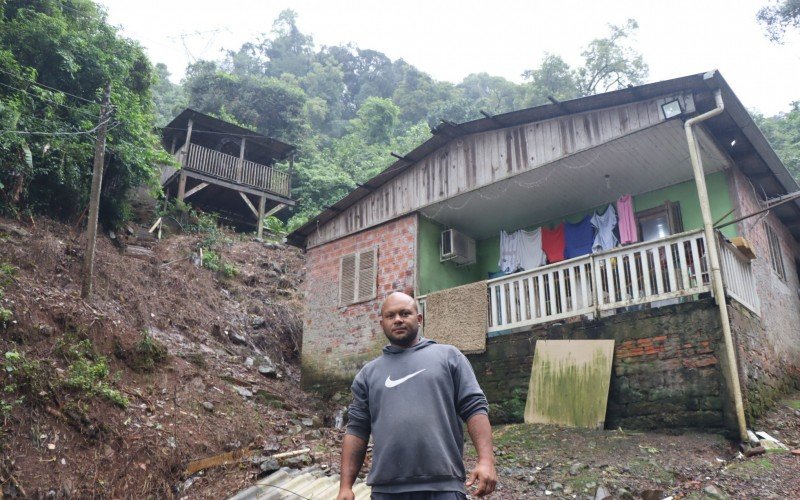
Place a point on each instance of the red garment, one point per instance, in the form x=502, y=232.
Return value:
x=553, y=243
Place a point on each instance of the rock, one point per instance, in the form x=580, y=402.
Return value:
x=556, y=486
x=243, y=392
x=576, y=468
x=307, y=422
x=248, y=362
x=208, y=405
x=752, y=452
x=624, y=494
x=714, y=492
x=237, y=338
x=601, y=493
x=267, y=368
x=652, y=495
x=531, y=479
x=795, y=452
x=269, y=465
x=298, y=461
x=257, y=321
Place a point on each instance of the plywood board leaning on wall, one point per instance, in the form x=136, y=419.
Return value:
x=569, y=383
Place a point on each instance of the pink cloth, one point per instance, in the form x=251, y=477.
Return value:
x=627, y=222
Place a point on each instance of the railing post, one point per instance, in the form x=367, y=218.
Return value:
x=596, y=289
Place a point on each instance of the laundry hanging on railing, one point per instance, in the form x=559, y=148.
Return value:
x=604, y=224
x=553, y=243
x=627, y=221
x=578, y=238
x=521, y=250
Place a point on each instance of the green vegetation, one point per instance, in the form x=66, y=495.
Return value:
x=147, y=354
x=794, y=404
x=7, y=272
x=55, y=58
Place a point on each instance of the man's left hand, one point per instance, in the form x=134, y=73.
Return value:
x=484, y=478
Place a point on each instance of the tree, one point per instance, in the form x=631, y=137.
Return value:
x=54, y=61
x=169, y=99
x=553, y=78
x=783, y=133
x=609, y=64
x=290, y=51
x=778, y=17
x=377, y=119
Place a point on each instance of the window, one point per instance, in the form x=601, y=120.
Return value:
x=358, y=276
x=775, y=255
x=659, y=222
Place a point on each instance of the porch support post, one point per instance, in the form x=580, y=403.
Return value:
x=182, y=186
x=187, y=144
x=240, y=163
x=262, y=201
x=713, y=257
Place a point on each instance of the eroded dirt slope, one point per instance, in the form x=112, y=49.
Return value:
x=168, y=362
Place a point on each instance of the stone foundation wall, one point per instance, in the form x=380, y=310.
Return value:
x=666, y=370
x=769, y=345
x=338, y=341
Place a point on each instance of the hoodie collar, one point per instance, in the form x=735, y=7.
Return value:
x=423, y=343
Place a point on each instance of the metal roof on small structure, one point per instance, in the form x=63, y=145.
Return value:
x=734, y=123
x=257, y=144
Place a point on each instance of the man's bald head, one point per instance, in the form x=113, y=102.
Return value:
x=400, y=319
x=399, y=297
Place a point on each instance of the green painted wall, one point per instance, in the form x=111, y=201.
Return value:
x=686, y=194
x=434, y=275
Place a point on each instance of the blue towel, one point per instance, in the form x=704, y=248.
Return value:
x=578, y=238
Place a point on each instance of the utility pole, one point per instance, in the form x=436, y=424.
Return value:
x=94, y=197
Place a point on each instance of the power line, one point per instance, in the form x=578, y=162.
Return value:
x=47, y=86
x=80, y=132
x=48, y=100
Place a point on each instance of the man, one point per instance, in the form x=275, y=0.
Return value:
x=411, y=399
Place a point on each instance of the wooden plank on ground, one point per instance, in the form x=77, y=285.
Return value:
x=569, y=383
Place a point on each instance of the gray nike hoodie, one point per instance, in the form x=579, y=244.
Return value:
x=411, y=401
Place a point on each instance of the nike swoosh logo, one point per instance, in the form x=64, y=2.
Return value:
x=394, y=383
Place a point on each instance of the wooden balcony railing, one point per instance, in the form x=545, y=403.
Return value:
x=227, y=167
x=668, y=269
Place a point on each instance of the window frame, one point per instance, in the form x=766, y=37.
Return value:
x=672, y=209
x=775, y=252
x=358, y=275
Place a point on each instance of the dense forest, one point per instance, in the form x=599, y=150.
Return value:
x=344, y=107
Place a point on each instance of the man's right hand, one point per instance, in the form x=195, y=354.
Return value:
x=346, y=494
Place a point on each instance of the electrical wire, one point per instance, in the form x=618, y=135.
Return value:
x=80, y=132
x=79, y=110
x=47, y=86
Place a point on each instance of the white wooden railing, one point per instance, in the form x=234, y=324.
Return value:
x=225, y=166
x=668, y=269
x=738, y=277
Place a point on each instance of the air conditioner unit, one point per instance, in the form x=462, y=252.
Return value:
x=457, y=247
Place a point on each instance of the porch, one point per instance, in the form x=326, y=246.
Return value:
x=650, y=274
x=226, y=169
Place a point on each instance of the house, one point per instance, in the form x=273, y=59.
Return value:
x=226, y=169
x=431, y=223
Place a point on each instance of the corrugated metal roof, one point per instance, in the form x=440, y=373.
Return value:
x=266, y=146
x=734, y=111
x=310, y=483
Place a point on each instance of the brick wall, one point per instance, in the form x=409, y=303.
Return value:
x=337, y=341
x=665, y=373
x=769, y=345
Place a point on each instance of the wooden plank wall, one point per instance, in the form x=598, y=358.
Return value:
x=477, y=160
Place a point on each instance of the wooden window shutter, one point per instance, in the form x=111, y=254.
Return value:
x=367, y=274
x=347, y=279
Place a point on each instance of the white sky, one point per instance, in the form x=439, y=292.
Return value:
x=451, y=39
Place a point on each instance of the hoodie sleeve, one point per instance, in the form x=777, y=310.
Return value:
x=469, y=397
x=358, y=416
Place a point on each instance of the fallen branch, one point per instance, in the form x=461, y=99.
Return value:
x=236, y=456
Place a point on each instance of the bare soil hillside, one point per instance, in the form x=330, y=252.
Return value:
x=168, y=362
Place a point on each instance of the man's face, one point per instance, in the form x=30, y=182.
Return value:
x=400, y=320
